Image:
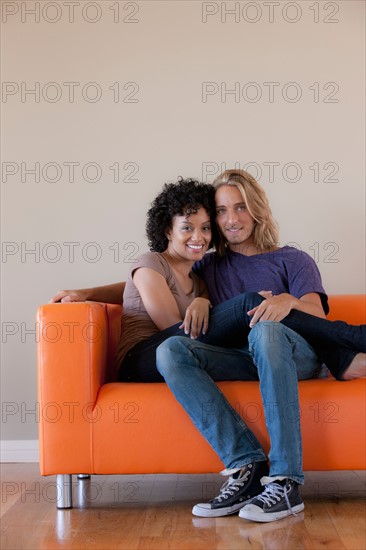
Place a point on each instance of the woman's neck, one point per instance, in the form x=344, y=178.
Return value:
x=183, y=267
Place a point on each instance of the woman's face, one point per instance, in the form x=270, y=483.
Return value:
x=189, y=237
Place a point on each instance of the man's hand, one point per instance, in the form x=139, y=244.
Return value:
x=69, y=296
x=110, y=294
x=273, y=308
x=265, y=293
x=196, y=317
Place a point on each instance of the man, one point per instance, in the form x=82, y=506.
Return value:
x=248, y=259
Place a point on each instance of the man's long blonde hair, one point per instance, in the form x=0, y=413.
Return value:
x=265, y=233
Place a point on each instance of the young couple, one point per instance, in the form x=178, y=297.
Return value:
x=248, y=311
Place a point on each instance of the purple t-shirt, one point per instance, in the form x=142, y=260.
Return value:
x=285, y=270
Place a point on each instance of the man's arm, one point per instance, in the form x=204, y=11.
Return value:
x=111, y=294
x=278, y=307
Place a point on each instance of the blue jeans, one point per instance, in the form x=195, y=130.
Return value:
x=228, y=327
x=335, y=342
x=277, y=356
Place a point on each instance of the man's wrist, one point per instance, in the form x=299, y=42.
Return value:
x=87, y=294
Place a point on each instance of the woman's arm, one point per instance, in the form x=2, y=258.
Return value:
x=111, y=294
x=162, y=308
x=157, y=298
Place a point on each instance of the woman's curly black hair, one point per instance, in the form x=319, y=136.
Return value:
x=177, y=199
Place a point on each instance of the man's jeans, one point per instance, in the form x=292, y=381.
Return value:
x=281, y=358
x=278, y=356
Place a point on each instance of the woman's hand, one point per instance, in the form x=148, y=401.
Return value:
x=196, y=317
x=69, y=296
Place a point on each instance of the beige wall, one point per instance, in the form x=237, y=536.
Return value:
x=295, y=119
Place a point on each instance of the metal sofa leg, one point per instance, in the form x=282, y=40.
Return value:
x=64, y=490
x=83, y=476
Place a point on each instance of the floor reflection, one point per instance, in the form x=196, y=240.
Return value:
x=286, y=534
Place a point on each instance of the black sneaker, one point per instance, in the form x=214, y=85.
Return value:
x=278, y=500
x=235, y=492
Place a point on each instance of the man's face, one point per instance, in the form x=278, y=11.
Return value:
x=233, y=218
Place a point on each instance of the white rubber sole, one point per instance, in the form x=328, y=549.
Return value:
x=203, y=512
x=254, y=513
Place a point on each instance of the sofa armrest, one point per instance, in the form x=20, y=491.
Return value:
x=72, y=350
x=348, y=307
x=72, y=354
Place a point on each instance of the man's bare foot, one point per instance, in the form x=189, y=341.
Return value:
x=357, y=368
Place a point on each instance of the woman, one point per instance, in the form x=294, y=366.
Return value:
x=161, y=285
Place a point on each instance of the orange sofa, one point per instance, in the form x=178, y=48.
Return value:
x=90, y=424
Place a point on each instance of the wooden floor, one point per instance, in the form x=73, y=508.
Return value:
x=154, y=511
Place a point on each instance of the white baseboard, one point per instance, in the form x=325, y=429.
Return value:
x=22, y=450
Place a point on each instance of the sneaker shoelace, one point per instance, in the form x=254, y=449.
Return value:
x=273, y=493
x=232, y=485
